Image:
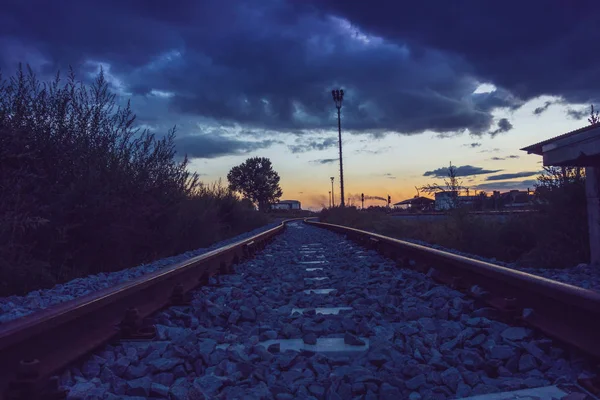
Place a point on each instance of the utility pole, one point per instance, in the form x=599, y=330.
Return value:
x=338, y=96
x=332, y=198
x=362, y=200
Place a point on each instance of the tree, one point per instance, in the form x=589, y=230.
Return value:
x=451, y=185
x=594, y=117
x=257, y=181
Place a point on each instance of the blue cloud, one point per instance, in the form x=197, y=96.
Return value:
x=465, y=170
x=511, y=185
x=543, y=36
x=212, y=146
x=325, y=161
x=301, y=147
x=270, y=66
x=514, y=175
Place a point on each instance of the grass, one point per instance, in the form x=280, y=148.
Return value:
x=520, y=238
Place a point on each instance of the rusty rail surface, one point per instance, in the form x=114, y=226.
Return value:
x=565, y=312
x=37, y=346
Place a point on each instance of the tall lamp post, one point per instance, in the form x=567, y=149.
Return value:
x=332, y=200
x=338, y=96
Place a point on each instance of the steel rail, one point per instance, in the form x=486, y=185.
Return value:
x=37, y=346
x=565, y=312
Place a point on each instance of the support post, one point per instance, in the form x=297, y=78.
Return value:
x=341, y=166
x=592, y=192
x=332, y=198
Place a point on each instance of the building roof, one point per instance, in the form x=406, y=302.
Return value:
x=446, y=193
x=415, y=200
x=288, y=202
x=537, y=148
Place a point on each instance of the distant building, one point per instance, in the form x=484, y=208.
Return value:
x=446, y=200
x=416, y=203
x=516, y=199
x=286, y=205
x=452, y=199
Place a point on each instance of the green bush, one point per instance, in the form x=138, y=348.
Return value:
x=82, y=190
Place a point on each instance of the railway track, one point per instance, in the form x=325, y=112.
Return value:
x=314, y=314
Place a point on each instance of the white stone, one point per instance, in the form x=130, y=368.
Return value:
x=318, y=291
x=322, y=310
x=324, y=345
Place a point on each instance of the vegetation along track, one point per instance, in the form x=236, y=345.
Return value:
x=357, y=324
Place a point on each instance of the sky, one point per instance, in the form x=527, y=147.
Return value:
x=467, y=82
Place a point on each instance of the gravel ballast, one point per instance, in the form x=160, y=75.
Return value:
x=14, y=307
x=582, y=275
x=413, y=339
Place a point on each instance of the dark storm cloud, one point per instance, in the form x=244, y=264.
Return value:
x=465, y=170
x=520, y=185
x=578, y=114
x=266, y=65
x=543, y=108
x=502, y=177
x=312, y=145
x=212, y=146
x=503, y=126
x=377, y=134
x=529, y=48
x=499, y=98
x=266, y=87
x=71, y=32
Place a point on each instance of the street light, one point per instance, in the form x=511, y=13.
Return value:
x=332, y=200
x=338, y=96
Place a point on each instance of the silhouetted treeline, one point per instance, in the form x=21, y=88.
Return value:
x=82, y=190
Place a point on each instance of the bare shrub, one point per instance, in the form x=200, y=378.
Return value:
x=82, y=190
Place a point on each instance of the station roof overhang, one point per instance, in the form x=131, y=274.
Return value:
x=577, y=148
